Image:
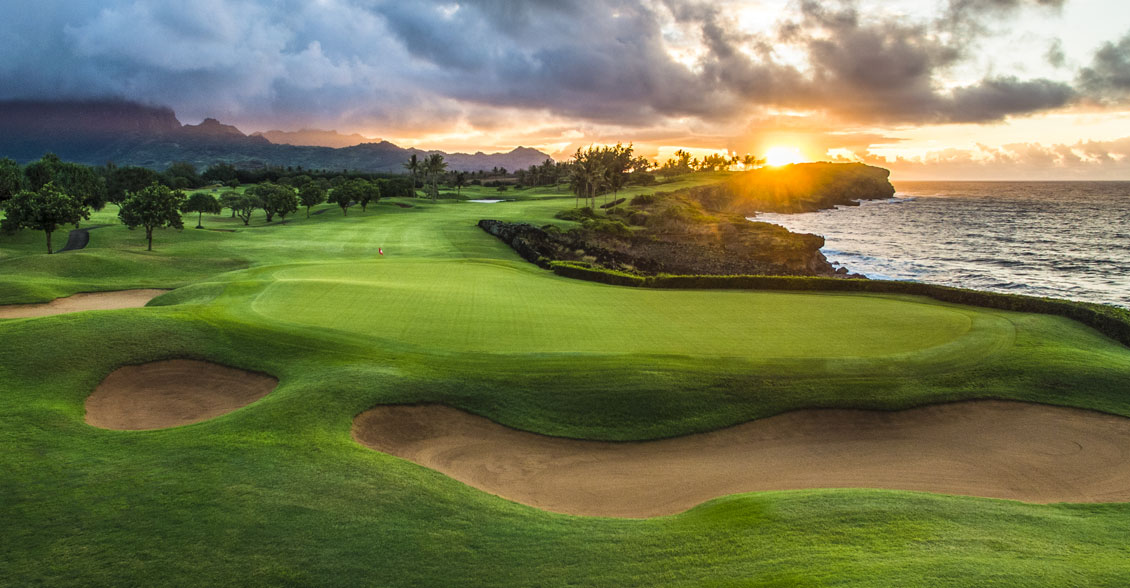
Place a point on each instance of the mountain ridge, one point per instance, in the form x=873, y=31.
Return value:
x=97, y=132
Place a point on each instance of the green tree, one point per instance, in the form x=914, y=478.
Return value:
x=311, y=194
x=355, y=191
x=152, y=207
x=588, y=176
x=230, y=199
x=44, y=210
x=460, y=181
x=77, y=180
x=367, y=192
x=183, y=174
x=244, y=207
x=413, y=166
x=40, y=173
x=617, y=162
x=275, y=199
x=715, y=162
x=343, y=197
x=219, y=173
x=751, y=161
x=123, y=180
x=202, y=202
x=678, y=165
x=11, y=180
x=434, y=166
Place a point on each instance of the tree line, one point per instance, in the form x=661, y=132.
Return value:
x=49, y=194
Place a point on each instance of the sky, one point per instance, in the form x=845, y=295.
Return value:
x=944, y=89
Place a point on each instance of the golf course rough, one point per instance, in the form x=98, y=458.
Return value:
x=279, y=492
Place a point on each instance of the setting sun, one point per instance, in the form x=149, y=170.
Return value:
x=778, y=156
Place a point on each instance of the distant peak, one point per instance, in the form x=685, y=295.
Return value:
x=213, y=127
x=315, y=138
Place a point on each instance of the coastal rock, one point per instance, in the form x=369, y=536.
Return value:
x=740, y=248
x=802, y=187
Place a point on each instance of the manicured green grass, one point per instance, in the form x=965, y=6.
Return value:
x=278, y=494
x=499, y=308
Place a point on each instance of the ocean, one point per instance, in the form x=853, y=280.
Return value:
x=1058, y=239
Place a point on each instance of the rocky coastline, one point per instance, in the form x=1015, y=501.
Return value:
x=704, y=230
x=802, y=187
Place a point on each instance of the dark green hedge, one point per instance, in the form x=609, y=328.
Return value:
x=582, y=271
x=1111, y=321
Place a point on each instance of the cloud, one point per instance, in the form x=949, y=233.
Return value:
x=884, y=71
x=1108, y=77
x=389, y=67
x=1093, y=160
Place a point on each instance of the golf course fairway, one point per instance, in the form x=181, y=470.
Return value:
x=279, y=491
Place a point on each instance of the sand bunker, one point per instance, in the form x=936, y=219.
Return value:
x=1012, y=450
x=79, y=302
x=172, y=393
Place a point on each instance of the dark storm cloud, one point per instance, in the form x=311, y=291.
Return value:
x=1108, y=76
x=886, y=71
x=431, y=62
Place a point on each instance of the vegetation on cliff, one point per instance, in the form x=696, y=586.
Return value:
x=703, y=230
x=801, y=187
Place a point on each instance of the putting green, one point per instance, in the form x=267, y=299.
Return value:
x=494, y=307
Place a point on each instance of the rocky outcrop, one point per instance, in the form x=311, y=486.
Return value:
x=704, y=230
x=740, y=249
x=97, y=118
x=212, y=130
x=804, y=187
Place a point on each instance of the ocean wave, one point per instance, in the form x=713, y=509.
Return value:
x=1043, y=239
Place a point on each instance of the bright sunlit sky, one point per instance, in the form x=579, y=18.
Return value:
x=962, y=89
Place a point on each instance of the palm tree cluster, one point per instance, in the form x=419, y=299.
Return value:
x=600, y=170
x=684, y=163
x=432, y=168
x=549, y=173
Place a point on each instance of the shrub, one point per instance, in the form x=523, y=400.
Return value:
x=576, y=214
x=643, y=200
x=581, y=271
x=609, y=227
x=638, y=219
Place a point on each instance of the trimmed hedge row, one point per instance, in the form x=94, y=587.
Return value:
x=1111, y=321
x=583, y=271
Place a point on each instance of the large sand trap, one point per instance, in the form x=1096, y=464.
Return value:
x=172, y=393
x=996, y=449
x=79, y=302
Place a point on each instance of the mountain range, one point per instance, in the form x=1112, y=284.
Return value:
x=314, y=138
x=128, y=133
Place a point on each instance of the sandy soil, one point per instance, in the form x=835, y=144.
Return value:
x=78, y=302
x=1012, y=450
x=172, y=393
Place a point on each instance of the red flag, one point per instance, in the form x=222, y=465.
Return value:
x=381, y=251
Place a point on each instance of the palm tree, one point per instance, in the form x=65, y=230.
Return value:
x=413, y=166
x=588, y=174
x=460, y=181
x=433, y=166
